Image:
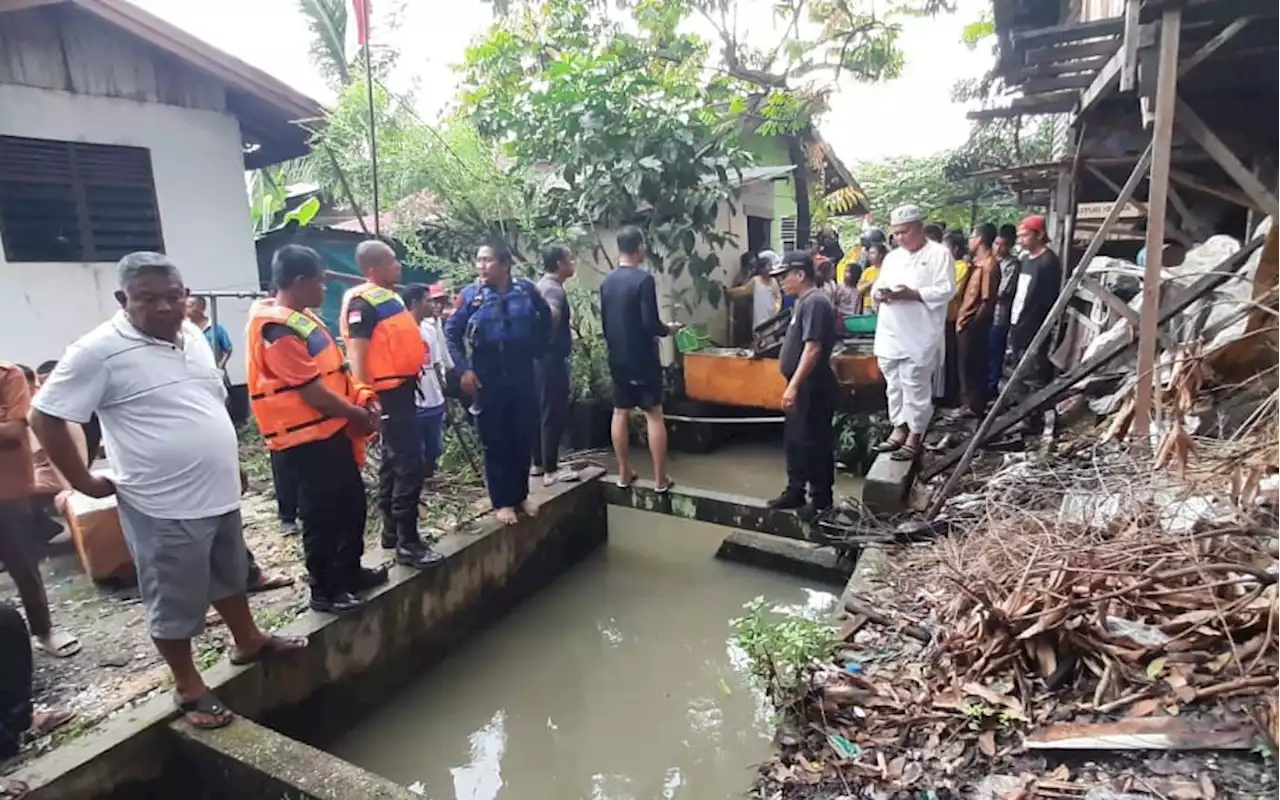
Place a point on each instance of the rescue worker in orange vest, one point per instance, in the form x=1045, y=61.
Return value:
x=386, y=352
x=313, y=417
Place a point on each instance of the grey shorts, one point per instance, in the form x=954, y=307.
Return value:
x=184, y=565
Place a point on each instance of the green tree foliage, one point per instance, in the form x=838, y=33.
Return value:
x=619, y=125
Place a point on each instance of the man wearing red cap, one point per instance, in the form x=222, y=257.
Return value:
x=1039, y=283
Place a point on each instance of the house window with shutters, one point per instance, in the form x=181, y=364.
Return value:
x=788, y=232
x=73, y=201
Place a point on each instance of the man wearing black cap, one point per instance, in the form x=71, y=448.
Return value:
x=809, y=399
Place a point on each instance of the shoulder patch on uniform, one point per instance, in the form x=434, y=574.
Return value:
x=354, y=317
x=301, y=323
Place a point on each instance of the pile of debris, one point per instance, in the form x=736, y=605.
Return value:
x=1082, y=603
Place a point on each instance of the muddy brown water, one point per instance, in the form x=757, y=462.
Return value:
x=620, y=681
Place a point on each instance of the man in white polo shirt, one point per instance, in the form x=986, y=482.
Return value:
x=152, y=381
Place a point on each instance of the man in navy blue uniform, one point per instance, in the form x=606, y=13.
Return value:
x=500, y=327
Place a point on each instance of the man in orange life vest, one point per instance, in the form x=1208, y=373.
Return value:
x=386, y=352
x=314, y=417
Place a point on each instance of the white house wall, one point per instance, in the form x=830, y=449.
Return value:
x=198, y=166
x=593, y=266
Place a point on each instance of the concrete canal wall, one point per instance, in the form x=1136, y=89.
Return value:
x=352, y=664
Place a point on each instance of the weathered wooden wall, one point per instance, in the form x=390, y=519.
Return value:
x=57, y=47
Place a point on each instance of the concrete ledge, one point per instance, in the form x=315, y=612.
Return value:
x=718, y=508
x=887, y=484
x=801, y=559
x=352, y=663
x=249, y=762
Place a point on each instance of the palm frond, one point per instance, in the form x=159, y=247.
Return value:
x=327, y=21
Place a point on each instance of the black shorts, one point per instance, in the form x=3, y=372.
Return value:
x=637, y=394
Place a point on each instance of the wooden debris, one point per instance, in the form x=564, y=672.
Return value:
x=1167, y=733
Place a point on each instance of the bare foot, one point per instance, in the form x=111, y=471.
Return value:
x=507, y=516
x=44, y=722
x=529, y=507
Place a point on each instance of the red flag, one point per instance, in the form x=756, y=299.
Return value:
x=362, y=20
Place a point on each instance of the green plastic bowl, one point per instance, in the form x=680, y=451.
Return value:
x=864, y=323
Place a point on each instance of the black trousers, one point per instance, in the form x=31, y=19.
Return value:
x=331, y=505
x=286, y=489
x=809, y=440
x=551, y=378
x=400, y=476
x=1038, y=374
x=15, y=680
x=508, y=431
x=972, y=345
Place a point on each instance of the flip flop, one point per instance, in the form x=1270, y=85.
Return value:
x=888, y=446
x=61, y=645
x=273, y=646
x=666, y=487
x=266, y=584
x=13, y=790
x=905, y=453
x=209, y=706
x=625, y=483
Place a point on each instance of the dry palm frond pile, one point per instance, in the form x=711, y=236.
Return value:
x=1082, y=603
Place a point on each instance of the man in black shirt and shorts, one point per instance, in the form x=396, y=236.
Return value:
x=810, y=397
x=629, y=316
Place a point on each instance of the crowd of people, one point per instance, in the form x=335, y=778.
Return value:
x=951, y=310
x=150, y=383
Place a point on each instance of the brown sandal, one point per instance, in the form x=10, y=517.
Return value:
x=209, y=707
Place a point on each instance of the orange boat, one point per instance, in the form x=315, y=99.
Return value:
x=735, y=377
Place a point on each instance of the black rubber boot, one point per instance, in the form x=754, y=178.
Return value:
x=418, y=554
x=786, y=501
x=335, y=602
x=366, y=579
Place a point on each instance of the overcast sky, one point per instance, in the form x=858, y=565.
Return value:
x=912, y=115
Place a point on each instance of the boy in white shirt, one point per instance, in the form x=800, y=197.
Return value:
x=425, y=303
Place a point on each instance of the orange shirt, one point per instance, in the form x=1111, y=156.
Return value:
x=17, y=474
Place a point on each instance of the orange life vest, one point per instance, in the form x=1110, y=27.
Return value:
x=396, y=350
x=285, y=419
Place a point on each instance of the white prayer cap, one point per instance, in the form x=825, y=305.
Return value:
x=904, y=214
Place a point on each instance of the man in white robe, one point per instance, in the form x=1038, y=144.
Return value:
x=916, y=281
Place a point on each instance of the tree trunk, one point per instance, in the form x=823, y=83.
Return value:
x=795, y=149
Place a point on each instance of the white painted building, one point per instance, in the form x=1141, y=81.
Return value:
x=119, y=132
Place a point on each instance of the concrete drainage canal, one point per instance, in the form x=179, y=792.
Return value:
x=606, y=668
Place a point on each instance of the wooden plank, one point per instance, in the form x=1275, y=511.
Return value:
x=1169, y=309
x=1212, y=46
x=1158, y=205
x=1174, y=231
x=1050, y=55
x=1056, y=103
x=1222, y=193
x=1102, y=83
x=1091, y=64
x=1196, y=128
x=1072, y=32
x=1055, y=83
x=1129, y=46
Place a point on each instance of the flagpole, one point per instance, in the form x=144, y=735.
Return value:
x=373, y=127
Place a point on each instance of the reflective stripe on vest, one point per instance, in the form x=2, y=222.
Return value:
x=396, y=350
x=285, y=419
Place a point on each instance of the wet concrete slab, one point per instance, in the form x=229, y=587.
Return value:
x=246, y=760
